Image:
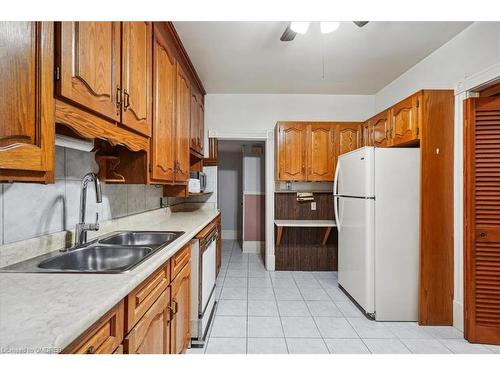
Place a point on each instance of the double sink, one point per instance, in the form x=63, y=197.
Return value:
x=118, y=252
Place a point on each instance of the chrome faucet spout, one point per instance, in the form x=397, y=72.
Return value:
x=82, y=227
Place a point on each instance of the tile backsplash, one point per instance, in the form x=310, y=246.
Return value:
x=32, y=210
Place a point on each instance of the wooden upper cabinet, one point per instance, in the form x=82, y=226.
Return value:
x=292, y=140
x=380, y=130
x=197, y=126
x=136, y=75
x=163, y=130
x=183, y=115
x=201, y=125
x=404, y=119
x=151, y=335
x=349, y=137
x=321, y=156
x=181, y=304
x=89, y=67
x=27, y=105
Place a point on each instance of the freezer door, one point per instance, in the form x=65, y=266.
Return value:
x=356, y=249
x=355, y=173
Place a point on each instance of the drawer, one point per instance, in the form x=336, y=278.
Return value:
x=104, y=337
x=179, y=260
x=142, y=298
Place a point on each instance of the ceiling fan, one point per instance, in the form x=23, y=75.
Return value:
x=294, y=28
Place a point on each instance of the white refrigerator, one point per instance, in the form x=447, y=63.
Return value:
x=377, y=213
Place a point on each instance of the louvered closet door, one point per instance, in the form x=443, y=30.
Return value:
x=482, y=220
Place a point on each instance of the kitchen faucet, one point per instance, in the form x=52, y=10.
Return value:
x=82, y=227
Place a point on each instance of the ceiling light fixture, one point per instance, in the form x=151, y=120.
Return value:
x=328, y=27
x=299, y=27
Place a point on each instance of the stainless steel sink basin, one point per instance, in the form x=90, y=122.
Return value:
x=96, y=258
x=151, y=239
x=116, y=253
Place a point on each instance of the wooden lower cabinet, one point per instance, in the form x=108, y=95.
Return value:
x=104, y=337
x=181, y=304
x=155, y=318
x=151, y=335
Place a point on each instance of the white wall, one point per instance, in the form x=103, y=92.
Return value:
x=247, y=113
x=474, y=50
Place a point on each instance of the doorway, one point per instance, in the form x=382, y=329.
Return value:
x=241, y=193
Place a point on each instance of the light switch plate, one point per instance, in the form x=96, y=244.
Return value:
x=313, y=206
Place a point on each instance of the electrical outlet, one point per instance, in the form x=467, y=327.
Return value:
x=313, y=206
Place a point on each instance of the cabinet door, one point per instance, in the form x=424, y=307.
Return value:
x=136, y=75
x=163, y=137
x=367, y=134
x=379, y=128
x=349, y=137
x=321, y=153
x=405, y=121
x=151, y=335
x=183, y=113
x=292, y=151
x=201, y=124
x=194, y=123
x=27, y=104
x=90, y=66
x=181, y=304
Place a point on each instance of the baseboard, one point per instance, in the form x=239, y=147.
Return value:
x=229, y=234
x=253, y=247
x=458, y=315
x=270, y=265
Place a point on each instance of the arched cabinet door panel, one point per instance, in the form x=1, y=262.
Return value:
x=27, y=105
x=89, y=66
x=321, y=152
x=292, y=140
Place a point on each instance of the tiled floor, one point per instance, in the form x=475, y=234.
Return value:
x=306, y=312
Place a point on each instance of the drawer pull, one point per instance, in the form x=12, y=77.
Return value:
x=482, y=234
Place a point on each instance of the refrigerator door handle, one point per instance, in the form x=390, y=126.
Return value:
x=335, y=195
x=336, y=211
x=335, y=179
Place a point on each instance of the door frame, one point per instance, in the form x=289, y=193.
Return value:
x=464, y=89
x=266, y=136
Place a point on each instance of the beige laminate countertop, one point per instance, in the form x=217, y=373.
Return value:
x=42, y=312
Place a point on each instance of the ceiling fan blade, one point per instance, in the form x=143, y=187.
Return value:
x=360, y=23
x=288, y=34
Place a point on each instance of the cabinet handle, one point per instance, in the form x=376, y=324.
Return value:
x=482, y=235
x=118, y=100
x=126, y=100
x=90, y=350
x=176, y=306
x=171, y=312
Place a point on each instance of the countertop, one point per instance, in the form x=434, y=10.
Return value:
x=46, y=312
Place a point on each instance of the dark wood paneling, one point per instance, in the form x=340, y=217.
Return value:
x=286, y=207
x=300, y=248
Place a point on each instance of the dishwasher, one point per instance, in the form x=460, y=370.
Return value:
x=203, y=258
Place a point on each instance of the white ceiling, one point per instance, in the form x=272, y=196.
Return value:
x=248, y=57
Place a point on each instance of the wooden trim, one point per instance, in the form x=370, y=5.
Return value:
x=493, y=90
x=91, y=126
